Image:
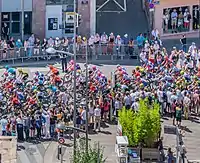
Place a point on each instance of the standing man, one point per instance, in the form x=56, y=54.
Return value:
x=20, y=128
x=63, y=58
x=27, y=123
x=97, y=118
x=183, y=43
x=5, y=31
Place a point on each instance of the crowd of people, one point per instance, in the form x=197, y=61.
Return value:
x=39, y=103
x=97, y=44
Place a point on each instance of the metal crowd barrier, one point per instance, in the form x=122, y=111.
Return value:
x=94, y=52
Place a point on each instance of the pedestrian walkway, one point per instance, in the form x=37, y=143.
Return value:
x=191, y=138
x=46, y=152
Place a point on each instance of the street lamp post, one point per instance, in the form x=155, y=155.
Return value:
x=22, y=23
x=86, y=99
x=74, y=49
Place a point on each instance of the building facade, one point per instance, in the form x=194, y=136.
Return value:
x=176, y=17
x=44, y=18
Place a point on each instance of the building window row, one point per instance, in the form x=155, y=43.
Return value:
x=179, y=19
x=13, y=21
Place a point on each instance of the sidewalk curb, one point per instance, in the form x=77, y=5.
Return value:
x=37, y=63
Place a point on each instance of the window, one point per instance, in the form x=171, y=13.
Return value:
x=196, y=20
x=15, y=16
x=27, y=22
x=15, y=27
x=5, y=16
x=176, y=19
x=59, y=2
x=53, y=2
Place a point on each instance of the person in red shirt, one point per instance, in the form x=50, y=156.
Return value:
x=106, y=107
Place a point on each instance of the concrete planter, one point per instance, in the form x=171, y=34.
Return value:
x=151, y=154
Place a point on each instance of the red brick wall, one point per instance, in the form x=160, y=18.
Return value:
x=84, y=11
x=38, y=18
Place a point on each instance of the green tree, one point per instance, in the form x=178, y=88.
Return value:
x=94, y=154
x=142, y=127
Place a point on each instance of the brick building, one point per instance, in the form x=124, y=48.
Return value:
x=44, y=18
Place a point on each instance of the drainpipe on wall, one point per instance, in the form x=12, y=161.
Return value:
x=199, y=22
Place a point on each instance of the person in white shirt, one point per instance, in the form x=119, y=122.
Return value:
x=146, y=46
x=104, y=41
x=83, y=117
x=135, y=105
x=143, y=58
x=46, y=125
x=91, y=41
x=97, y=118
x=118, y=43
x=166, y=20
x=91, y=112
x=186, y=104
x=156, y=46
x=117, y=107
x=169, y=101
x=127, y=101
x=192, y=47
x=155, y=33
x=186, y=19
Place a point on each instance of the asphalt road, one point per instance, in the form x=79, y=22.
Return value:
x=132, y=22
x=46, y=151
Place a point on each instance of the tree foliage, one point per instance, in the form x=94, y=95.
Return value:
x=142, y=127
x=94, y=154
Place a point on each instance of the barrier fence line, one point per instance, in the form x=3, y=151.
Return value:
x=94, y=52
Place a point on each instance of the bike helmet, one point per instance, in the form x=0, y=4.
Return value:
x=51, y=67
x=7, y=67
x=37, y=73
x=94, y=68
x=34, y=88
x=6, y=73
x=54, y=89
x=40, y=82
x=20, y=70
x=71, y=62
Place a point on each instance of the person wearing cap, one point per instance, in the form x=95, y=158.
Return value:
x=125, y=42
x=118, y=43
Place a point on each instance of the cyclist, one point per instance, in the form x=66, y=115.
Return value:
x=10, y=70
x=53, y=70
x=23, y=74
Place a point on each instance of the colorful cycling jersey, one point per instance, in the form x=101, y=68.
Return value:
x=11, y=70
x=15, y=101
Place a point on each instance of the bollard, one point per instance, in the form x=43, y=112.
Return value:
x=59, y=152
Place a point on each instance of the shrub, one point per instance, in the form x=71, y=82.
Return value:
x=94, y=154
x=142, y=127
